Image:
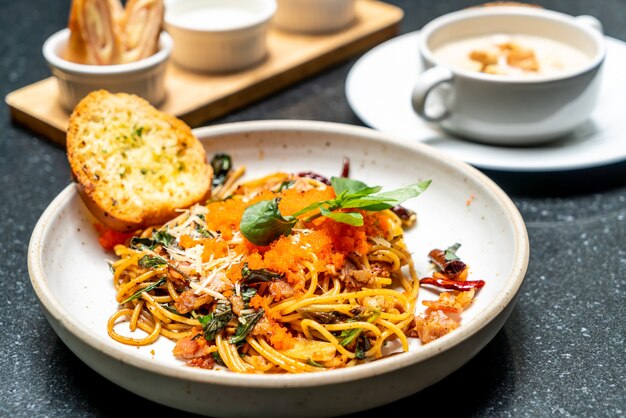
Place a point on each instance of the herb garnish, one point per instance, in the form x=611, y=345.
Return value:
x=158, y=237
x=218, y=359
x=314, y=363
x=247, y=293
x=285, y=185
x=362, y=346
x=323, y=317
x=250, y=276
x=204, y=233
x=350, y=335
x=246, y=323
x=156, y=261
x=151, y=261
x=214, y=322
x=263, y=223
x=138, y=131
x=450, y=252
x=221, y=164
x=146, y=289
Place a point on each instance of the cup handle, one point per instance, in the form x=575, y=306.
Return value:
x=426, y=82
x=591, y=22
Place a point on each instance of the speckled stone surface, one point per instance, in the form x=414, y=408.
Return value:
x=561, y=353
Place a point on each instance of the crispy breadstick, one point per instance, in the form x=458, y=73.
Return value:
x=76, y=50
x=141, y=29
x=104, y=32
x=117, y=11
x=94, y=20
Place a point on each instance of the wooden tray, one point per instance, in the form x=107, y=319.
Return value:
x=198, y=98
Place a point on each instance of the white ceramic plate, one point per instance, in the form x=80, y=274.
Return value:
x=379, y=85
x=69, y=274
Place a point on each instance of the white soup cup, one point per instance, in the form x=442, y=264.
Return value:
x=501, y=109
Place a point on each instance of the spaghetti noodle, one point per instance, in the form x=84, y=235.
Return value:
x=325, y=294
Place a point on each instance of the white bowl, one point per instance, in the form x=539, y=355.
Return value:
x=314, y=16
x=461, y=205
x=145, y=78
x=218, y=35
x=503, y=109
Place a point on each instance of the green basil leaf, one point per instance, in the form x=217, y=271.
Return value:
x=386, y=200
x=162, y=237
x=218, y=358
x=158, y=237
x=368, y=203
x=285, y=185
x=172, y=309
x=262, y=222
x=221, y=164
x=146, y=289
x=350, y=218
x=314, y=363
x=214, y=322
x=250, y=276
x=351, y=187
x=155, y=261
x=362, y=346
x=246, y=323
x=204, y=233
x=322, y=317
x=400, y=195
x=309, y=208
x=247, y=293
x=349, y=335
x=151, y=261
x=450, y=252
x=137, y=243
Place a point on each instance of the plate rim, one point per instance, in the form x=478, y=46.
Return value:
x=609, y=159
x=381, y=366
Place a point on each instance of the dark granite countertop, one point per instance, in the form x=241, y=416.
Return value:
x=561, y=353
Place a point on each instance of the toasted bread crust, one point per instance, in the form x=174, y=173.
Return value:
x=134, y=165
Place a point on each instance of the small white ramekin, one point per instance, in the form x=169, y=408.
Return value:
x=218, y=36
x=314, y=16
x=145, y=78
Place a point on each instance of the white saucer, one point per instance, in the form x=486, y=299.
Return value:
x=378, y=89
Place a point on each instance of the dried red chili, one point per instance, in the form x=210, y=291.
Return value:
x=345, y=169
x=402, y=212
x=314, y=176
x=446, y=267
x=462, y=285
x=455, y=267
x=438, y=257
x=345, y=172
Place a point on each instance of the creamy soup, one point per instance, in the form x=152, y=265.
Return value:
x=512, y=55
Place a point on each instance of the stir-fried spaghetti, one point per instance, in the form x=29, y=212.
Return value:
x=336, y=288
